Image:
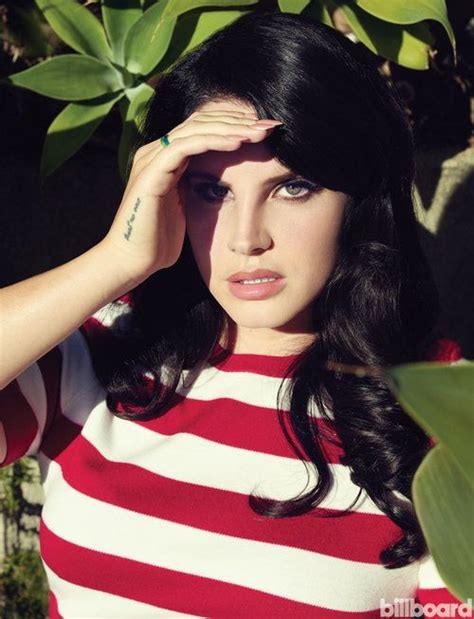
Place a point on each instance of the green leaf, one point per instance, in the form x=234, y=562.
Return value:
x=440, y=398
x=132, y=108
x=118, y=17
x=402, y=12
x=148, y=39
x=406, y=45
x=292, y=6
x=443, y=497
x=70, y=130
x=316, y=9
x=76, y=26
x=70, y=77
x=178, y=7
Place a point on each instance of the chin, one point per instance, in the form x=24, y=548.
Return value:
x=253, y=317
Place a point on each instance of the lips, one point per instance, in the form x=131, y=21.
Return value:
x=257, y=274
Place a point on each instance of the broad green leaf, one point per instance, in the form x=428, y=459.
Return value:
x=132, y=107
x=292, y=6
x=192, y=29
x=178, y=7
x=71, y=77
x=70, y=130
x=118, y=17
x=148, y=39
x=440, y=398
x=315, y=9
x=138, y=97
x=443, y=497
x=76, y=26
x=402, y=12
x=406, y=45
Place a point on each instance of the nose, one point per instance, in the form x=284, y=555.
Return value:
x=249, y=233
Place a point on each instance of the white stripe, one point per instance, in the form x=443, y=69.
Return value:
x=31, y=384
x=247, y=387
x=80, y=387
x=429, y=577
x=196, y=460
x=114, y=315
x=253, y=389
x=296, y=574
x=84, y=603
x=211, y=383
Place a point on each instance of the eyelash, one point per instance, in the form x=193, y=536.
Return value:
x=312, y=188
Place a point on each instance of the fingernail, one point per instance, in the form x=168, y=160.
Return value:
x=267, y=123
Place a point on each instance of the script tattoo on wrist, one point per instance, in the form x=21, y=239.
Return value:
x=132, y=218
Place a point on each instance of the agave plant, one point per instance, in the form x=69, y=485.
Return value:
x=114, y=59
x=117, y=55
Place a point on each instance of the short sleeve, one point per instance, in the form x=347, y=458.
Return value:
x=31, y=402
x=432, y=591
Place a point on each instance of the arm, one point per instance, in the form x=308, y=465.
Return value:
x=36, y=315
x=39, y=312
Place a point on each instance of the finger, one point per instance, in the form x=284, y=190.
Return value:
x=228, y=119
x=249, y=129
x=217, y=112
x=151, y=146
x=232, y=125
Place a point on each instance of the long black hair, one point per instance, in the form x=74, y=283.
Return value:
x=345, y=129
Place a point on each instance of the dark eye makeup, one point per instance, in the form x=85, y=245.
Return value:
x=213, y=192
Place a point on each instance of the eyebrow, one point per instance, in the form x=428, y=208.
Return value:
x=211, y=177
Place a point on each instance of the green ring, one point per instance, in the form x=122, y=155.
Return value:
x=164, y=140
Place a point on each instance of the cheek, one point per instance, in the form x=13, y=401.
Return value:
x=202, y=231
x=311, y=245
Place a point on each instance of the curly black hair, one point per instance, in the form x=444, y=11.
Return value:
x=345, y=129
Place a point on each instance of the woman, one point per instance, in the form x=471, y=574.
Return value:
x=203, y=461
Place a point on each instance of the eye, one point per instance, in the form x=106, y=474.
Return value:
x=210, y=192
x=294, y=189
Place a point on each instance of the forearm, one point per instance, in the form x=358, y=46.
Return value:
x=38, y=313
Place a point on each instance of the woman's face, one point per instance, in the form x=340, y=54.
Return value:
x=242, y=221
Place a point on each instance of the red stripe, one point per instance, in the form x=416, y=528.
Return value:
x=50, y=367
x=18, y=417
x=63, y=434
x=19, y=422
x=267, y=365
x=171, y=589
x=234, y=423
x=357, y=537
x=53, y=610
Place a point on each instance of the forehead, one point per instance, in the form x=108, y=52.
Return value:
x=251, y=158
x=223, y=105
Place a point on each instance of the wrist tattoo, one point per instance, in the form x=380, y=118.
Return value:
x=132, y=218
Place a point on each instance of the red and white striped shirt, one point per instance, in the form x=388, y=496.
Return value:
x=146, y=519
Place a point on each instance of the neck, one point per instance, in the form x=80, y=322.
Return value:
x=264, y=341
